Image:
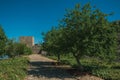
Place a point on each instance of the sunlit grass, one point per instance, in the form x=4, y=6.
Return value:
x=13, y=69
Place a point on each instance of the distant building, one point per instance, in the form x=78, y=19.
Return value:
x=28, y=40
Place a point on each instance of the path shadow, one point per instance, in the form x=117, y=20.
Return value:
x=47, y=69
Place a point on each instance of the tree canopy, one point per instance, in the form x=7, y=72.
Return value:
x=83, y=31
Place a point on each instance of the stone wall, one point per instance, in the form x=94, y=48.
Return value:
x=36, y=49
x=28, y=40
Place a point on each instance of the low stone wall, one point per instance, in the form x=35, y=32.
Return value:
x=36, y=49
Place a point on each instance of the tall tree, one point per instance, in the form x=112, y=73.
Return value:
x=3, y=40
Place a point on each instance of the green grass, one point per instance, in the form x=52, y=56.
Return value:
x=13, y=69
x=94, y=66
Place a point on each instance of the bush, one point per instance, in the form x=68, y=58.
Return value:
x=15, y=49
x=107, y=73
x=27, y=51
x=13, y=69
x=105, y=70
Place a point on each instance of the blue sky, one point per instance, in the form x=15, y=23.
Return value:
x=32, y=17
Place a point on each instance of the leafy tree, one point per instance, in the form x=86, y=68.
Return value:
x=53, y=42
x=84, y=32
x=3, y=40
x=88, y=32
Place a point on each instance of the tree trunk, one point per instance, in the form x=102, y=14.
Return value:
x=78, y=61
x=58, y=57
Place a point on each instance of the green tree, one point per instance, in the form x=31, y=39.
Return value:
x=3, y=40
x=53, y=42
x=84, y=32
x=89, y=33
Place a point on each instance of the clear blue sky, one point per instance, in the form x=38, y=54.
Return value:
x=32, y=17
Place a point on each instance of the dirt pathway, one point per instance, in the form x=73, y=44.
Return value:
x=41, y=68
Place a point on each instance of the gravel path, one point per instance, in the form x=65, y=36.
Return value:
x=41, y=68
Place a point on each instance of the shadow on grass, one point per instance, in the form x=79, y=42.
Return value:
x=48, y=69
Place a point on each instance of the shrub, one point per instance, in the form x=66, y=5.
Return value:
x=15, y=49
x=107, y=73
x=13, y=69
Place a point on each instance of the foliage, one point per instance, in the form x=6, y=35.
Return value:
x=83, y=32
x=108, y=74
x=116, y=24
x=86, y=32
x=13, y=69
x=102, y=69
x=15, y=49
x=54, y=42
x=90, y=33
x=3, y=40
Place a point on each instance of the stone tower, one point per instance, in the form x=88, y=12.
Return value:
x=28, y=40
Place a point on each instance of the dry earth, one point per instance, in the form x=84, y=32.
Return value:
x=41, y=68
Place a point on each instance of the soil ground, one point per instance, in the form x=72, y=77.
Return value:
x=42, y=68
